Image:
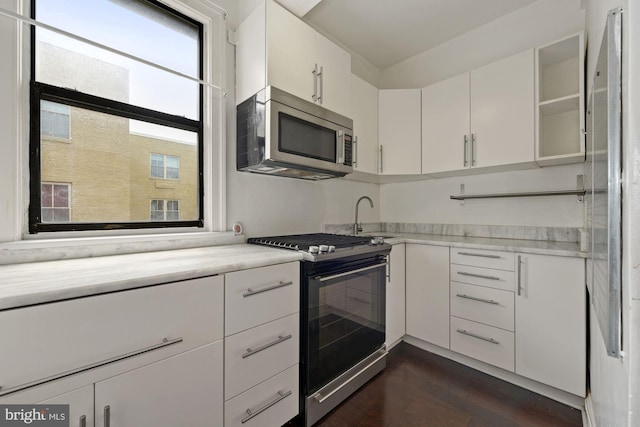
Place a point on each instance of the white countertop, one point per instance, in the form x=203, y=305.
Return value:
x=569, y=249
x=40, y=282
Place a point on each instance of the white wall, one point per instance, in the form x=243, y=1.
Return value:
x=615, y=383
x=428, y=201
x=534, y=25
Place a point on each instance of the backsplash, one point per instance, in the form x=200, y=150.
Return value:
x=549, y=234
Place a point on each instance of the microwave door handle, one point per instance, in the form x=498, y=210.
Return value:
x=340, y=147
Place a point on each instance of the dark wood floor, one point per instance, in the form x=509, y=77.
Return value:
x=421, y=389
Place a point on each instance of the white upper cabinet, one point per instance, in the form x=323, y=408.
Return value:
x=560, y=99
x=364, y=112
x=484, y=118
x=502, y=112
x=275, y=48
x=445, y=125
x=399, y=130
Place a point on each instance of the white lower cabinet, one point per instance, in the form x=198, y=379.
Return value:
x=483, y=342
x=395, y=296
x=80, y=403
x=551, y=321
x=184, y=390
x=428, y=293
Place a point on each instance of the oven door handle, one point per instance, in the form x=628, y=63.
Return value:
x=349, y=273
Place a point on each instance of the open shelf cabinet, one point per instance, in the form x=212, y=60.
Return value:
x=560, y=102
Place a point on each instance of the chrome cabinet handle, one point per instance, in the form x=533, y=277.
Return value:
x=519, y=275
x=349, y=273
x=321, y=78
x=381, y=159
x=479, y=255
x=252, y=351
x=488, y=301
x=251, y=292
x=466, y=143
x=83, y=421
x=473, y=149
x=482, y=276
x=315, y=83
x=251, y=414
x=107, y=416
x=480, y=337
x=389, y=268
x=165, y=343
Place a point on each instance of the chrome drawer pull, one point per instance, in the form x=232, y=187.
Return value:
x=165, y=343
x=479, y=255
x=251, y=292
x=464, y=332
x=482, y=276
x=349, y=273
x=251, y=414
x=107, y=416
x=252, y=351
x=83, y=421
x=488, y=301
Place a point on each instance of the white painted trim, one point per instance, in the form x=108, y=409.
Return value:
x=588, y=415
x=561, y=396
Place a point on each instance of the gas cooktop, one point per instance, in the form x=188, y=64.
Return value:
x=323, y=246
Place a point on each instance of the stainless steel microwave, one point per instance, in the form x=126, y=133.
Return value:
x=281, y=134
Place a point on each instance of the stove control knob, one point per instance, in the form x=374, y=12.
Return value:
x=324, y=248
x=373, y=241
x=332, y=248
x=314, y=249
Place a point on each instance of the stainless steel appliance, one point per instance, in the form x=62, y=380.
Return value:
x=342, y=315
x=281, y=134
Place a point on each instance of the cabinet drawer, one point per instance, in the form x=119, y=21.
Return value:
x=483, y=258
x=259, y=353
x=486, y=343
x=260, y=295
x=51, y=340
x=271, y=403
x=498, y=279
x=492, y=307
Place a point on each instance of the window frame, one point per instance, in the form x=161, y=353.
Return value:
x=43, y=91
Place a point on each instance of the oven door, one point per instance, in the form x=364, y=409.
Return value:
x=345, y=318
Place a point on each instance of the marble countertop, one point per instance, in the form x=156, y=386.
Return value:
x=569, y=249
x=41, y=282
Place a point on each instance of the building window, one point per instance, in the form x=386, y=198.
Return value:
x=55, y=202
x=54, y=120
x=165, y=167
x=165, y=210
x=119, y=110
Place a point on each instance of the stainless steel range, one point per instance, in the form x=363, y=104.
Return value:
x=342, y=315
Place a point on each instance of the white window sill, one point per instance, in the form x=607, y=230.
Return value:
x=86, y=247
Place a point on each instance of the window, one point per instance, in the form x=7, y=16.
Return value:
x=55, y=202
x=165, y=167
x=125, y=117
x=54, y=120
x=165, y=210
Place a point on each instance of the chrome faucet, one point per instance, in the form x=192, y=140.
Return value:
x=358, y=227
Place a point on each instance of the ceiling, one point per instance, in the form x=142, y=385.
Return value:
x=386, y=32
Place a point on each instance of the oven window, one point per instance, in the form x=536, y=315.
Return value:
x=346, y=322
x=307, y=139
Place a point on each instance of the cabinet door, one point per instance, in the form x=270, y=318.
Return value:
x=428, y=293
x=335, y=83
x=445, y=125
x=551, y=321
x=399, y=128
x=395, y=318
x=80, y=403
x=183, y=390
x=502, y=111
x=290, y=52
x=364, y=112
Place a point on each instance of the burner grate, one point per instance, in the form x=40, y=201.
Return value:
x=303, y=241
